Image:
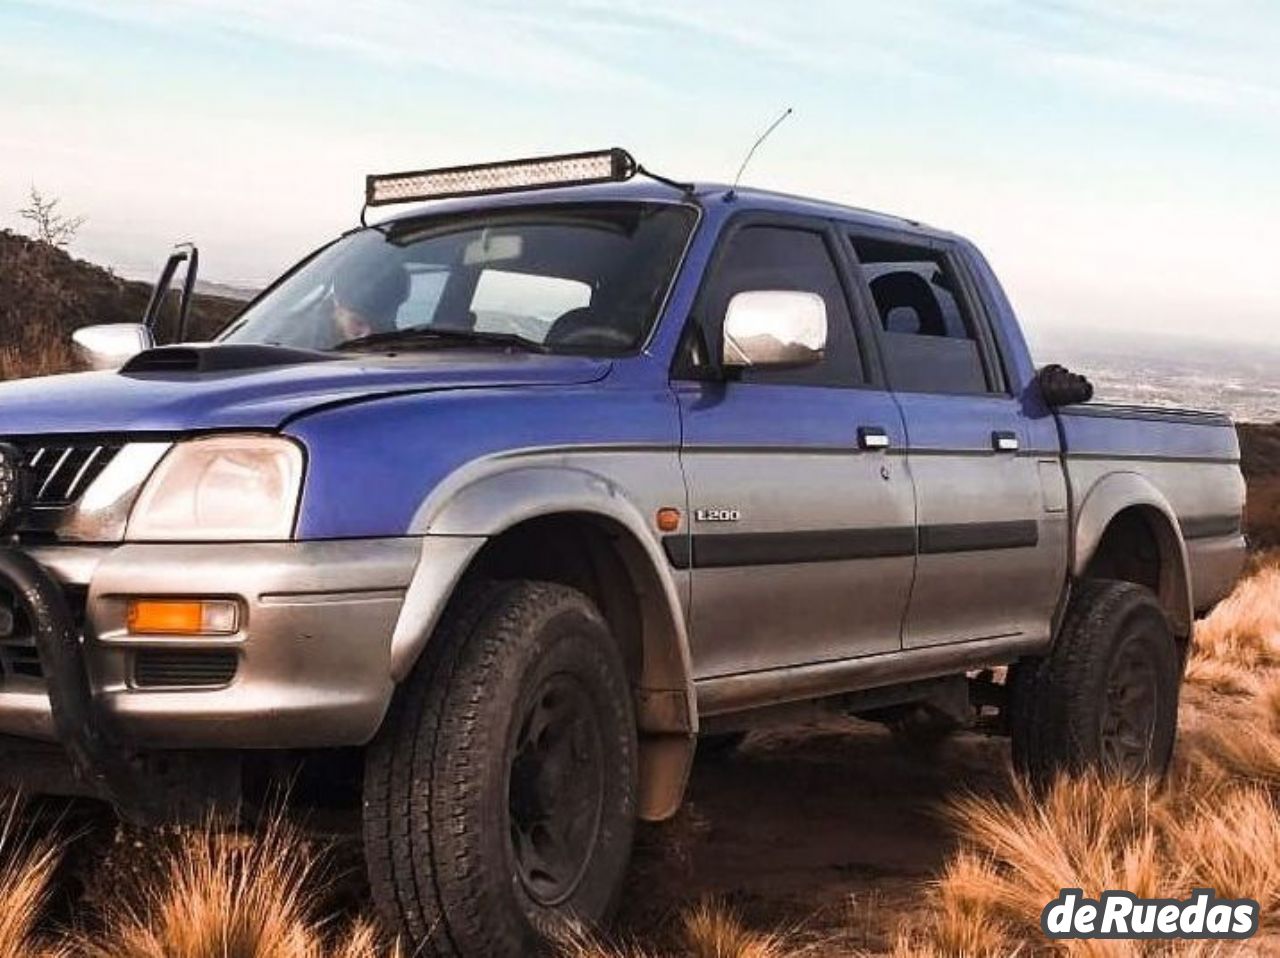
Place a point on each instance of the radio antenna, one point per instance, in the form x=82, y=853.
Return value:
x=752, y=152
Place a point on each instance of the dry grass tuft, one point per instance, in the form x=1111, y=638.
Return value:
x=712, y=930
x=579, y=943
x=1216, y=825
x=1232, y=845
x=1244, y=630
x=1249, y=748
x=709, y=930
x=26, y=873
x=971, y=897
x=1083, y=833
x=36, y=355
x=1268, y=704
x=226, y=894
x=1225, y=678
x=1092, y=834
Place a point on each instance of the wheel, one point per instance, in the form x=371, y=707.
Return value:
x=1106, y=696
x=500, y=794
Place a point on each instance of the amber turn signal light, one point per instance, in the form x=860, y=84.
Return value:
x=183, y=617
x=668, y=519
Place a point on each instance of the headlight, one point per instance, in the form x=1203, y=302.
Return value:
x=227, y=488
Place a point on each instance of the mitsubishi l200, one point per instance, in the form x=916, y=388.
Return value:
x=502, y=503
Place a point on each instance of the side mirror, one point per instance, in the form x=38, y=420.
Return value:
x=1061, y=387
x=774, y=328
x=110, y=346
x=183, y=253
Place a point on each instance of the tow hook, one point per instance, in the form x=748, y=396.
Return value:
x=96, y=749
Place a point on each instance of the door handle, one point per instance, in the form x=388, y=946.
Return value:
x=872, y=437
x=1004, y=441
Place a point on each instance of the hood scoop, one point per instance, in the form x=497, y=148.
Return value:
x=228, y=358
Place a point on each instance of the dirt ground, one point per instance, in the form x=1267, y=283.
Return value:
x=830, y=829
x=827, y=830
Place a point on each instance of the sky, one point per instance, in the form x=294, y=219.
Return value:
x=1117, y=160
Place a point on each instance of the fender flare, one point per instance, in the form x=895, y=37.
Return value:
x=488, y=497
x=1107, y=498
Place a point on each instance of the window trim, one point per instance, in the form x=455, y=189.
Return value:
x=993, y=369
x=995, y=329
x=696, y=323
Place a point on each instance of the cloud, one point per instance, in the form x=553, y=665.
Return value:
x=1182, y=51
x=476, y=40
x=1219, y=55
x=42, y=64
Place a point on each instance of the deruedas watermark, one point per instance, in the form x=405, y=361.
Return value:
x=1121, y=914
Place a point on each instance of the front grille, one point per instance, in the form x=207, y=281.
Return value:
x=184, y=668
x=58, y=472
x=18, y=655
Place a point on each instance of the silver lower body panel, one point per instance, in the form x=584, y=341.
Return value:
x=312, y=652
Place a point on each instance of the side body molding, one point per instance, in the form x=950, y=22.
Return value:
x=1107, y=498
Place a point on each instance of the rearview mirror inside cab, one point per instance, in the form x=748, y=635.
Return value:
x=774, y=328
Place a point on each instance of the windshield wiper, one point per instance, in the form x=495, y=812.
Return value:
x=426, y=335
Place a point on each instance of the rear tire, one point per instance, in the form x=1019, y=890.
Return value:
x=500, y=795
x=1106, y=696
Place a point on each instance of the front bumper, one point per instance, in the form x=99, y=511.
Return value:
x=312, y=657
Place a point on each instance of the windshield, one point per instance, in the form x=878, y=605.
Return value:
x=584, y=278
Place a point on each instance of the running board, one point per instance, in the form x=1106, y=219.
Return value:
x=752, y=690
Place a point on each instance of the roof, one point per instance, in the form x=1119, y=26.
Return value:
x=645, y=190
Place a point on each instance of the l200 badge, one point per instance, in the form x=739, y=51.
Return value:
x=718, y=515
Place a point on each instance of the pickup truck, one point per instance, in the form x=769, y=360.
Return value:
x=492, y=509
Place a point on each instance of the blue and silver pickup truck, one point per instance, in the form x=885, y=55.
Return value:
x=489, y=511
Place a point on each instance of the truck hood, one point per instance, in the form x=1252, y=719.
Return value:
x=167, y=402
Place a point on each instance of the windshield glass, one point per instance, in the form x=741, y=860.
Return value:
x=584, y=278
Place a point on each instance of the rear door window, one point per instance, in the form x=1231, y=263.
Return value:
x=930, y=339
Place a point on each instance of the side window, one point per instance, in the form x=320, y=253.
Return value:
x=783, y=258
x=930, y=341
x=525, y=304
x=426, y=285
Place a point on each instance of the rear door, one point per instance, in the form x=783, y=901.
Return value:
x=991, y=506
x=802, y=538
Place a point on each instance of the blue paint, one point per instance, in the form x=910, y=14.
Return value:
x=382, y=432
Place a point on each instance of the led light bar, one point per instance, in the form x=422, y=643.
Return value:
x=570, y=169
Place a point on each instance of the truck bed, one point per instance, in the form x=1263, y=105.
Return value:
x=1190, y=457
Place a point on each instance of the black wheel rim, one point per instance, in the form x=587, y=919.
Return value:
x=1131, y=711
x=556, y=790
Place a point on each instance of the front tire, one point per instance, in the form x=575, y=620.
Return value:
x=1106, y=696
x=500, y=796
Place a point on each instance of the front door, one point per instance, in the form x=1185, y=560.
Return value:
x=801, y=540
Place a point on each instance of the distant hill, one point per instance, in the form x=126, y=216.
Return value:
x=1166, y=370
x=46, y=294
x=226, y=291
